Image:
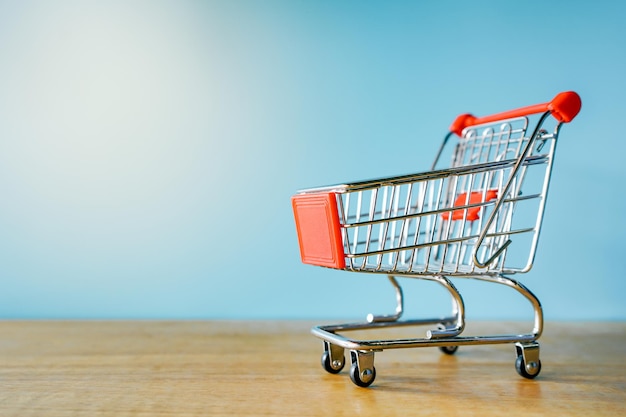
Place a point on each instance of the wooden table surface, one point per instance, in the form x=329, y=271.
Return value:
x=150, y=368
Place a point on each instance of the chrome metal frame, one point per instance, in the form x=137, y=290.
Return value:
x=387, y=224
x=450, y=327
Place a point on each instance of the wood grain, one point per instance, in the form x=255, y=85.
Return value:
x=183, y=368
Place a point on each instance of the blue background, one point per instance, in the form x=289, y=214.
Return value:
x=149, y=149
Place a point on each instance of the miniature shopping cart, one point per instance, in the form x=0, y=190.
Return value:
x=480, y=218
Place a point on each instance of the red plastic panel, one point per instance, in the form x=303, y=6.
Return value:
x=319, y=230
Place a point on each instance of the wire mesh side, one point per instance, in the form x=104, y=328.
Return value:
x=431, y=224
x=493, y=142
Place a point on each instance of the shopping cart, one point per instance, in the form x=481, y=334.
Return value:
x=454, y=222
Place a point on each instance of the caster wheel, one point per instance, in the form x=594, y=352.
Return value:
x=529, y=372
x=449, y=350
x=335, y=367
x=362, y=379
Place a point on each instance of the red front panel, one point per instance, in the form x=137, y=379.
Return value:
x=319, y=230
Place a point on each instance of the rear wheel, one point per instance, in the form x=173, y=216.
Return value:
x=529, y=371
x=449, y=350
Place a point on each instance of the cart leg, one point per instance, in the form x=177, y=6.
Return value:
x=371, y=318
x=362, y=372
x=532, y=298
x=458, y=312
x=528, y=363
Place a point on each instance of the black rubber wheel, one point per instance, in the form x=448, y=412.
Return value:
x=355, y=376
x=520, y=367
x=449, y=350
x=327, y=365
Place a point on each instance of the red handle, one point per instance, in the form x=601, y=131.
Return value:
x=564, y=107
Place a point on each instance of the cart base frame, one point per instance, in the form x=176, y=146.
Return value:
x=446, y=335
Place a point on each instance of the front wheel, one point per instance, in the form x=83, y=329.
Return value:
x=362, y=379
x=332, y=367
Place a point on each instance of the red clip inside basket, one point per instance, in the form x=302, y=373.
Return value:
x=476, y=197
